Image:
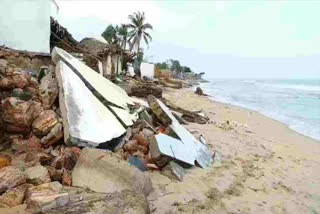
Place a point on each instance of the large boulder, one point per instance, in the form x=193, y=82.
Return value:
x=37, y=175
x=45, y=197
x=44, y=122
x=104, y=171
x=49, y=90
x=14, y=197
x=17, y=115
x=10, y=177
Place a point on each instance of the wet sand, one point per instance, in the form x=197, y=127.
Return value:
x=266, y=167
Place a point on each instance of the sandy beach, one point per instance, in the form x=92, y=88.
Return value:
x=266, y=167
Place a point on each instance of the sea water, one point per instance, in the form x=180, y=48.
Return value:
x=293, y=102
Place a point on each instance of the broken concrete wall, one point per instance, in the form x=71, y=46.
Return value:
x=25, y=25
x=87, y=122
x=111, y=95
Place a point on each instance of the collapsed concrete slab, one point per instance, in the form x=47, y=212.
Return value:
x=186, y=148
x=111, y=95
x=86, y=121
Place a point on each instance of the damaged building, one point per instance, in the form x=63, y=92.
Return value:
x=63, y=124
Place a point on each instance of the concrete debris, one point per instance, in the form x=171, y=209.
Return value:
x=187, y=148
x=104, y=171
x=10, y=177
x=112, y=96
x=85, y=118
x=135, y=161
x=45, y=139
x=174, y=171
x=158, y=111
x=180, y=118
x=189, y=116
x=217, y=158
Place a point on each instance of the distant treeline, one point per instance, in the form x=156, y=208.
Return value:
x=174, y=65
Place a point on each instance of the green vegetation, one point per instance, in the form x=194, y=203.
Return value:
x=131, y=34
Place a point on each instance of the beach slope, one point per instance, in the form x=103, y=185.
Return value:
x=266, y=167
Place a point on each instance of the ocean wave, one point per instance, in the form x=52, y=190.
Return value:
x=297, y=87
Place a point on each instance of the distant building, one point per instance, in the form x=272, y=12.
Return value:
x=110, y=56
x=25, y=24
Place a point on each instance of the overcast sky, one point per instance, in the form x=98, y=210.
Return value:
x=224, y=39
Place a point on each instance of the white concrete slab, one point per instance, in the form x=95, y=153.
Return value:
x=110, y=92
x=87, y=122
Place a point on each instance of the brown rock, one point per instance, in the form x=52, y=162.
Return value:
x=44, y=123
x=131, y=146
x=7, y=83
x=40, y=157
x=143, y=90
x=66, y=178
x=49, y=90
x=45, y=197
x=10, y=177
x=37, y=109
x=37, y=175
x=199, y=91
x=141, y=140
x=53, y=136
x=5, y=160
x=3, y=65
x=17, y=115
x=26, y=145
x=55, y=175
x=70, y=157
x=152, y=166
x=20, y=78
x=57, y=162
x=14, y=197
x=143, y=149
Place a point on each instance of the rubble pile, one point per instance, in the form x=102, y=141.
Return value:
x=67, y=127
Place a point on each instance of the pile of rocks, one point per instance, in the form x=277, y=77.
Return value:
x=39, y=170
x=30, y=124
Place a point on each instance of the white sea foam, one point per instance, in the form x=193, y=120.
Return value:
x=288, y=101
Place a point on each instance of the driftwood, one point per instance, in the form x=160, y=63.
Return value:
x=189, y=116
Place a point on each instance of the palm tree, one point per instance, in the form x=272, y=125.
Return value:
x=123, y=35
x=139, y=30
x=110, y=34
